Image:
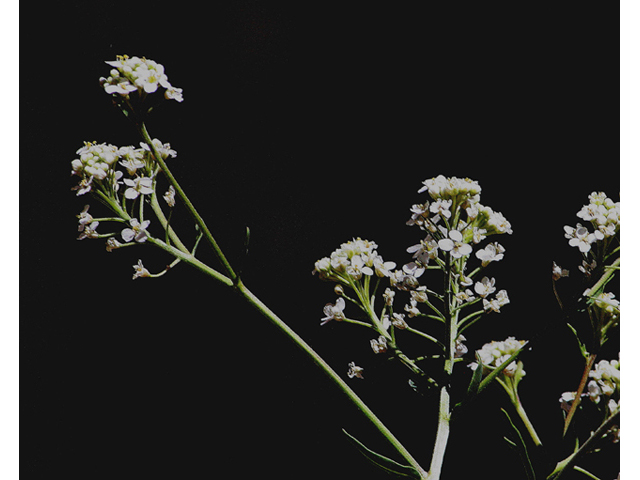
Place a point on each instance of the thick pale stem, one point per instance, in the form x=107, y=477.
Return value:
x=442, y=435
x=527, y=423
x=444, y=413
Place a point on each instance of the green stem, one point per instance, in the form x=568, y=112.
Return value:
x=233, y=281
x=527, y=422
x=582, y=470
x=191, y=260
x=183, y=196
x=562, y=466
x=265, y=311
x=444, y=411
x=337, y=380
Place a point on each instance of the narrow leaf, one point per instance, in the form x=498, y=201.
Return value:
x=522, y=451
x=385, y=463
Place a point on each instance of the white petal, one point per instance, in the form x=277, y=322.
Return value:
x=446, y=244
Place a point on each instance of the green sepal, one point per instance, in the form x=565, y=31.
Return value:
x=385, y=463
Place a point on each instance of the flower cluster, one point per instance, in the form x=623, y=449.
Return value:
x=604, y=215
x=97, y=166
x=604, y=383
x=494, y=354
x=351, y=261
x=455, y=222
x=96, y=162
x=138, y=74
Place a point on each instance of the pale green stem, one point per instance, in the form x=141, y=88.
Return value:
x=582, y=470
x=444, y=412
x=265, y=311
x=191, y=260
x=183, y=196
x=239, y=287
x=562, y=466
x=527, y=422
x=232, y=280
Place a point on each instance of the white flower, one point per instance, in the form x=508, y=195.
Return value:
x=494, y=305
x=412, y=309
x=137, y=231
x=460, y=348
x=84, y=186
x=558, y=272
x=491, y=253
x=566, y=400
x=379, y=345
x=388, y=296
x=89, y=231
x=140, y=271
x=607, y=302
x=465, y=296
x=173, y=93
x=405, y=281
x=358, y=268
x=425, y=250
x=413, y=269
x=112, y=244
x=137, y=186
x=478, y=234
x=441, y=207
x=122, y=88
x=170, y=197
x=333, y=312
x=419, y=214
x=164, y=150
x=455, y=245
x=485, y=287
x=419, y=295
x=581, y=238
x=83, y=218
x=382, y=268
x=132, y=159
x=355, y=371
x=398, y=321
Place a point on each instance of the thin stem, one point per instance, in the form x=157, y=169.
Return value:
x=428, y=337
x=562, y=466
x=340, y=383
x=583, y=382
x=157, y=209
x=582, y=470
x=183, y=196
x=191, y=260
x=444, y=412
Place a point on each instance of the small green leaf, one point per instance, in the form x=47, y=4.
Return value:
x=583, y=347
x=385, y=463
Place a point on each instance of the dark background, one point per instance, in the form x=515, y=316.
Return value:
x=311, y=125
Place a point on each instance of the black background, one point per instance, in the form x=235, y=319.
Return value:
x=311, y=125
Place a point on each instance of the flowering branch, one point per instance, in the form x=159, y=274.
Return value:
x=454, y=224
